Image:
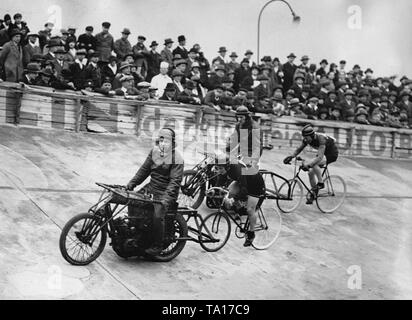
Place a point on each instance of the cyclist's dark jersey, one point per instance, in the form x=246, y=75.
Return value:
x=331, y=149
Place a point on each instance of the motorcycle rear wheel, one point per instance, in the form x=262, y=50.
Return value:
x=176, y=246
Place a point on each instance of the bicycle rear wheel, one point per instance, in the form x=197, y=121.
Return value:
x=332, y=196
x=268, y=229
x=214, y=231
x=296, y=196
x=192, y=191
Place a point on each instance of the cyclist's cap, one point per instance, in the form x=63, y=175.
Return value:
x=307, y=130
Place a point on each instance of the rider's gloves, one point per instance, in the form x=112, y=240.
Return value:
x=130, y=187
x=288, y=159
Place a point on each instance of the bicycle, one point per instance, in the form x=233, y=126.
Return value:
x=196, y=181
x=328, y=199
x=219, y=223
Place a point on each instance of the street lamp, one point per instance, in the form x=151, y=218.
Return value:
x=296, y=19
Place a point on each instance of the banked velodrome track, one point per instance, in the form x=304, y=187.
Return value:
x=47, y=176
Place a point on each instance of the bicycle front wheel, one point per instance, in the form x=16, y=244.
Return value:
x=332, y=196
x=214, y=231
x=268, y=229
x=288, y=205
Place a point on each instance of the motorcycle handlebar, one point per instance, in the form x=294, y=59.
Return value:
x=129, y=194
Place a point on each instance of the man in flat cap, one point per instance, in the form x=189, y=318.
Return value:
x=104, y=43
x=123, y=46
x=72, y=34
x=87, y=40
x=20, y=25
x=289, y=69
x=166, y=53
x=140, y=54
x=153, y=61
x=214, y=98
x=93, y=71
x=180, y=49
x=31, y=48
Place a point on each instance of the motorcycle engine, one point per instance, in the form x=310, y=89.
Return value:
x=129, y=237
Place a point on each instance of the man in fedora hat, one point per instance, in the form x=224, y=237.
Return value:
x=122, y=46
x=188, y=96
x=153, y=61
x=104, y=43
x=169, y=93
x=123, y=69
x=11, y=57
x=289, y=69
x=87, y=40
x=192, y=58
x=321, y=72
x=305, y=63
x=31, y=73
x=166, y=53
x=72, y=34
x=31, y=48
x=217, y=78
x=348, y=104
x=59, y=63
x=180, y=49
x=233, y=64
x=222, y=56
x=241, y=73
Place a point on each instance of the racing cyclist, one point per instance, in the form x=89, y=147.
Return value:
x=327, y=153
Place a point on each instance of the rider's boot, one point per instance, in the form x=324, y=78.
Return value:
x=158, y=233
x=250, y=236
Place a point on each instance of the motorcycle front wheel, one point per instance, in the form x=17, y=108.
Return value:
x=82, y=239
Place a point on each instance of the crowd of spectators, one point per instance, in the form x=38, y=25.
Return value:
x=99, y=63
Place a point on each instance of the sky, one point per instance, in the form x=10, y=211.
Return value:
x=371, y=33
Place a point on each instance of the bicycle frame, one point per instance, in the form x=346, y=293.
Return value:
x=325, y=173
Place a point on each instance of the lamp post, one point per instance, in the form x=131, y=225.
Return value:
x=296, y=19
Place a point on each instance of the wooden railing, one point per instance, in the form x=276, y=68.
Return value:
x=194, y=125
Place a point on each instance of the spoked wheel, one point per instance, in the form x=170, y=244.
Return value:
x=332, y=196
x=268, y=229
x=296, y=195
x=192, y=191
x=81, y=241
x=175, y=246
x=214, y=231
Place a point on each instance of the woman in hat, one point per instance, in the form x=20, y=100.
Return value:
x=31, y=48
x=11, y=58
